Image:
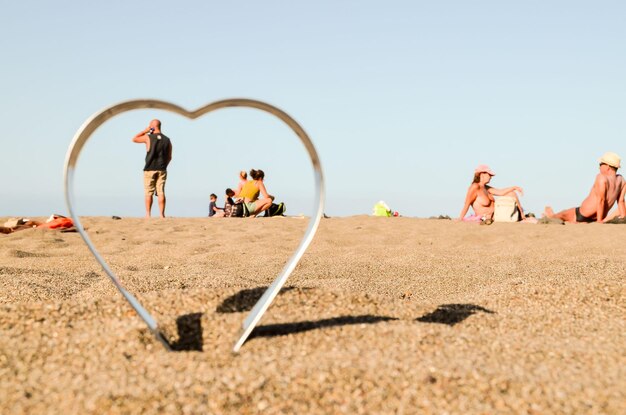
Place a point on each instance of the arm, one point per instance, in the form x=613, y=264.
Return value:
x=620, y=212
x=621, y=204
x=169, y=154
x=472, y=192
x=142, y=137
x=502, y=192
x=238, y=190
x=599, y=188
x=264, y=191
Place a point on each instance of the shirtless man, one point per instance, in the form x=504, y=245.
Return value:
x=480, y=196
x=608, y=188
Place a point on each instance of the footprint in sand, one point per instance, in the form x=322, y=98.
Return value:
x=24, y=254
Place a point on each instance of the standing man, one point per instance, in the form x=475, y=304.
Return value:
x=158, y=156
x=608, y=188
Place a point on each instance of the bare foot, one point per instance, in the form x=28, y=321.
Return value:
x=548, y=212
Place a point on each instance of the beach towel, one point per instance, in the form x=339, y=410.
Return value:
x=506, y=210
x=550, y=221
x=58, y=223
x=473, y=219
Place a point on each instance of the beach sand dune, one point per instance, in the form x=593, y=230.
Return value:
x=381, y=316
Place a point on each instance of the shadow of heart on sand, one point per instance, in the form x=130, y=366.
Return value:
x=189, y=328
x=452, y=314
x=283, y=329
x=244, y=300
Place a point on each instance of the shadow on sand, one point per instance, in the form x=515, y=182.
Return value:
x=244, y=300
x=272, y=330
x=452, y=314
x=189, y=328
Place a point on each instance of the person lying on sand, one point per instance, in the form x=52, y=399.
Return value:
x=608, y=188
x=20, y=226
x=480, y=196
x=55, y=221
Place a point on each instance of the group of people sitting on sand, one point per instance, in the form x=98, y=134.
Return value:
x=609, y=188
x=246, y=197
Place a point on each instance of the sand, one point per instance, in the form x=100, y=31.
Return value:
x=383, y=315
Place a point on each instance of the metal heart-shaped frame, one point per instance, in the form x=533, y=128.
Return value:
x=99, y=118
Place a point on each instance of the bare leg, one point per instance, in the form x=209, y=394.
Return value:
x=148, y=206
x=261, y=205
x=513, y=194
x=162, y=205
x=567, y=215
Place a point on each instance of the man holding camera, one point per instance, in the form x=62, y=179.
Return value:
x=158, y=156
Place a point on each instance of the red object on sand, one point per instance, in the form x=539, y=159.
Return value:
x=58, y=223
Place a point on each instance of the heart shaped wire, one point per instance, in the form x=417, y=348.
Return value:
x=99, y=118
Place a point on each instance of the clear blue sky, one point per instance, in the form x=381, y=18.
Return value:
x=402, y=99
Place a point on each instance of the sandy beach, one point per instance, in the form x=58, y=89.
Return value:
x=382, y=316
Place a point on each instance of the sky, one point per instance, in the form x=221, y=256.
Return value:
x=402, y=99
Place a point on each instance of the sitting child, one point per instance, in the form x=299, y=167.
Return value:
x=229, y=206
x=213, y=209
x=230, y=203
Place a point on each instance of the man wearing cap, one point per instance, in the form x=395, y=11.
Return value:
x=608, y=188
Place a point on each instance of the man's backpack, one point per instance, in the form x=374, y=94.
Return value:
x=276, y=210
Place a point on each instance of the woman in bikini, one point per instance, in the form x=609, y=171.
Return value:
x=480, y=196
x=250, y=193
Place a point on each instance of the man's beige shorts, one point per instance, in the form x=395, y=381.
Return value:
x=154, y=181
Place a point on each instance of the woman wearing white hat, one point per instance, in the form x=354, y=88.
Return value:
x=480, y=196
x=608, y=188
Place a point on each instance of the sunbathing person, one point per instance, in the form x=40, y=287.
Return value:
x=250, y=193
x=480, y=196
x=608, y=188
x=20, y=226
